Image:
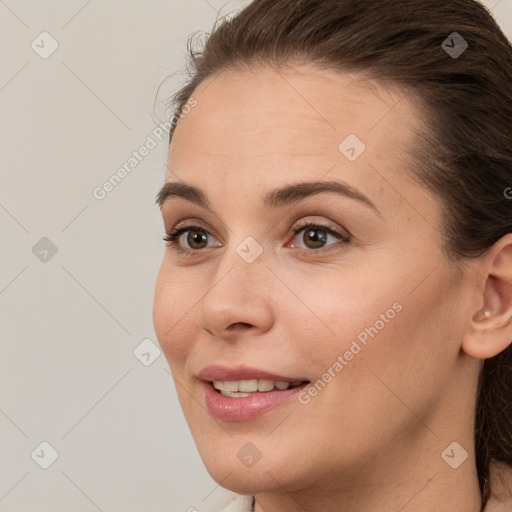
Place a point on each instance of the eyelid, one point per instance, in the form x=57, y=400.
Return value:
x=342, y=233
x=342, y=238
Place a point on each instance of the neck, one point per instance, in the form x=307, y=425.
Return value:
x=404, y=480
x=437, y=493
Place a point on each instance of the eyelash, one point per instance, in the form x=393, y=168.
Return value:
x=173, y=238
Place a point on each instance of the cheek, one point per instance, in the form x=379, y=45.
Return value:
x=337, y=307
x=376, y=325
x=409, y=350
x=172, y=310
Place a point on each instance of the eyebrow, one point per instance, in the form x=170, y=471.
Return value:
x=286, y=195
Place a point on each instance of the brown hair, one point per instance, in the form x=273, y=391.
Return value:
x=464, y=152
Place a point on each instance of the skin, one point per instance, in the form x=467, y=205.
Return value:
x=372, y=438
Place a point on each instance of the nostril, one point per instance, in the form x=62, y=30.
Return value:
x=241, y=324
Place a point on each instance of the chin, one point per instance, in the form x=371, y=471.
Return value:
x=269, y=473
x=248, y=482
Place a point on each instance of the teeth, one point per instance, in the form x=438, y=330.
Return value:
x=230, y=386
x=251, y=386
x=236, y=395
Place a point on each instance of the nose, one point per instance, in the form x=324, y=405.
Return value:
x=238, y=301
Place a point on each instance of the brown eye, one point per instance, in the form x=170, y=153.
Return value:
x=314, y=238
x=196, y=238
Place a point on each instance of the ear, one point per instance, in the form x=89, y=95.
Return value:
x=490, y=328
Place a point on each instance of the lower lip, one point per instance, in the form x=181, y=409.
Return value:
x=246, y=408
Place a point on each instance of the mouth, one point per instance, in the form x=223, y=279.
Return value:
x=245, y=400
x=252, y=387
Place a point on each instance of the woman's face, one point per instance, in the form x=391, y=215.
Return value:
x=371, y=317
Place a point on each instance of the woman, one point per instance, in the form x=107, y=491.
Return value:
x=335, y=298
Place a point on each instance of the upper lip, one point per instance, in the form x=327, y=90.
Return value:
x=223, y=373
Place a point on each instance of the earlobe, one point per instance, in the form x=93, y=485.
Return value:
x=485, y=343
x=490, y=328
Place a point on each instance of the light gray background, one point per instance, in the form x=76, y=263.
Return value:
x=70, y=324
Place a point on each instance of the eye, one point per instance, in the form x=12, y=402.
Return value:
x=196, y=239
x=316, y=235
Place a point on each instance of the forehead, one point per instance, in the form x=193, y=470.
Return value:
x=248, y=104
x=264, y=126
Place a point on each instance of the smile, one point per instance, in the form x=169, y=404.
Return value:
x=239, y=405
x=245, y=388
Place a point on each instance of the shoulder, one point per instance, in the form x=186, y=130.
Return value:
x=240, y=504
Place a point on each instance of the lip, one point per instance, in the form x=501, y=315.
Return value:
x=225, y=408
x=219, y=372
